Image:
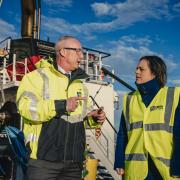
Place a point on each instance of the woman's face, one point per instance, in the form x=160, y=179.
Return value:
x=143, y=72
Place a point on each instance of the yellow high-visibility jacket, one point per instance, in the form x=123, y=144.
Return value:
x=50, y=132
x=149, y=132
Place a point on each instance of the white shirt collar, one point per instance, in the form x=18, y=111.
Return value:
x=63, y=71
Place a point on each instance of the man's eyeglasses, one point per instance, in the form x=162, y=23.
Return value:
x=78, y=50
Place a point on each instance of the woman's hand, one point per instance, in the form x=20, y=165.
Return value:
x=120, y=171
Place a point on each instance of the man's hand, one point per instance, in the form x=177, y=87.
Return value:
x=98, y=114
x=72, y=103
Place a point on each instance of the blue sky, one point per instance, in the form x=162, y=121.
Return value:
x=127, y=29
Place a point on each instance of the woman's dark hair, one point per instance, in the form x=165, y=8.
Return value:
x=157, y=67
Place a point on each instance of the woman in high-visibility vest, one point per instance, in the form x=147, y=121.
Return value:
x=148, y=141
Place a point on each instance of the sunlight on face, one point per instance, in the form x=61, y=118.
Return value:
x=143, y=72
x=70, y=54
x=73, y=55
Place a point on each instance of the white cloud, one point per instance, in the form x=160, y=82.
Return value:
x=101, y=8
x=123, y=14
x=7, y=30
x=132, y=39
x=176, y=82
x=1, y=2
x=55, y=6
x=125, y=54
x=129, y=12
x=63, y=3
x=176, y=7
x=121, y=93
x=60, y=25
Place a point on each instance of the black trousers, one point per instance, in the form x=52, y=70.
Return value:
x=153, y=173
x=46, y=170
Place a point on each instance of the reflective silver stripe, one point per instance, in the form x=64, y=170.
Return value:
x=158, y=126
x=169, y=103
x=73, y=118
x=33, y=104
x=31, y=138
x=135, y=157
x=45, y=83
x=89, y=109
x=84, y=108
x=128, y=100
x=142, y=157
x=135, y=125
x=165, y=161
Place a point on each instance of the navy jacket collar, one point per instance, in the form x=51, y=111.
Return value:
x=148, y=90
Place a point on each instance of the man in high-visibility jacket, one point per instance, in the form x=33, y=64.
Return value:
x=148, y=141
x=55, y=107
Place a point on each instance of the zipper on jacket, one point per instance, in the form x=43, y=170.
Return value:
x=67, y=131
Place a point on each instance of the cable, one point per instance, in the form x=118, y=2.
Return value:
x=97, y=92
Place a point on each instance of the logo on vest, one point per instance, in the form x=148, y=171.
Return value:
x=153, y=108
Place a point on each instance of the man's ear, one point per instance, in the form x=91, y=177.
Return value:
x=62, y=52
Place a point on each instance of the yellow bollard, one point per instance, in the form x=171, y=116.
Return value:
x=91, y=166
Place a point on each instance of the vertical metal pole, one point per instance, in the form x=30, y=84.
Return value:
x=35, y=25
x=96, y=71
x=25, y=66
x=39, y=19
x=14, y=68
x=100, y=66
x=8, y=47
x=4, y=71
x=86, y=63
x=100, y=61
x=112, y=78
x=2, y=83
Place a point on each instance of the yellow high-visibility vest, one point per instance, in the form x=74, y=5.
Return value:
x=149, y=132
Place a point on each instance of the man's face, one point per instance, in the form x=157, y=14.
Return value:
x=72, y=52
